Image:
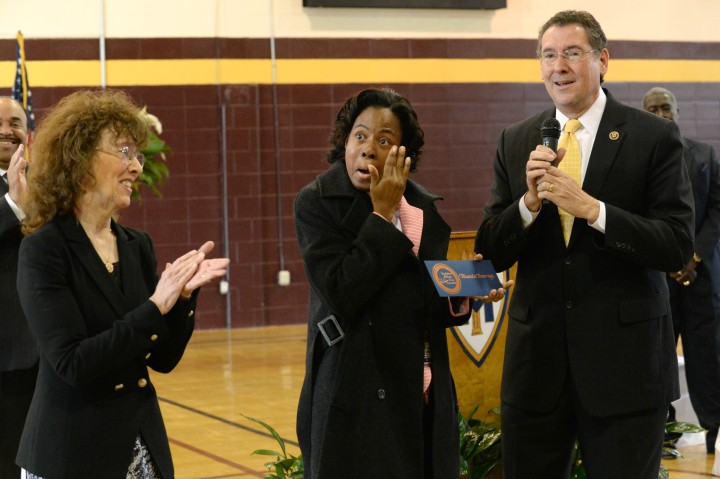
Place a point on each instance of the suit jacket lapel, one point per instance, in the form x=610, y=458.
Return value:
x=82, y=248
x=131, y=274
x=610, y=136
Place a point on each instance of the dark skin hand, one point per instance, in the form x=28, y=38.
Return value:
x=387, y=189
x=386, y=192
x=687, y=274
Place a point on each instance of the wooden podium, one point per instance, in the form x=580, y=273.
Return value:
x=477, y=349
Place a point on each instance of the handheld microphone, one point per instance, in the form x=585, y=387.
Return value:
x=550, y=134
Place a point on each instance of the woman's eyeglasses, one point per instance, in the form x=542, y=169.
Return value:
x=126, y=154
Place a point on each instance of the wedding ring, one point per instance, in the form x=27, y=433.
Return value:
x=550, y=188
x=686, y=283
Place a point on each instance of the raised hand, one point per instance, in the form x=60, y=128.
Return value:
x=207, y=271
x=387, y=189
x=187, y=273
x=17, y=183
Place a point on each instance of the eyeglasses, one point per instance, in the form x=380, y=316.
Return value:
x=572, y=55
x=127, y=155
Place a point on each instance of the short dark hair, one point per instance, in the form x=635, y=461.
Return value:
x=413, y=137
x=593, y=30
x=4, y=97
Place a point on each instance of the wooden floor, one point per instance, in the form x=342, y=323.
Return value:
x=258, y=373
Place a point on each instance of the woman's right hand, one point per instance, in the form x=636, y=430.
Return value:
x=174, y=278
x=387, y=189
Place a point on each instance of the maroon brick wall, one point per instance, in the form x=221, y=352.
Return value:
x=461, y=121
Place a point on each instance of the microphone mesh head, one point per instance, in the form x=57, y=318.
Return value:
x=550, y=128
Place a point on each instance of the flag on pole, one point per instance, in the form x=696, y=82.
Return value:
x=21, y=87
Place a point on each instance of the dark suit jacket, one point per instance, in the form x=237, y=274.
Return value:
x=704, y=171
x=361, y=405
x=597, y=310
x=17, y=347
x=96, y=342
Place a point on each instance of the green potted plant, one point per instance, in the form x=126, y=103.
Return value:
x=285, y=466
x=479, y=445
x=480, y=450
x=155, y=170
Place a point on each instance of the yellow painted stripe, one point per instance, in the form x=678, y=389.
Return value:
x=389, y=70
x=692, y=71
x=120, y=73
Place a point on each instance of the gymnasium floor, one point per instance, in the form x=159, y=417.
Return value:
x=258, y=373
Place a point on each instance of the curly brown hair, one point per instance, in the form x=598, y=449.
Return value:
x=64, y=150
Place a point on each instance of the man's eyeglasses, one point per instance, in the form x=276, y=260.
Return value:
x=127, y=155
x=572, y=55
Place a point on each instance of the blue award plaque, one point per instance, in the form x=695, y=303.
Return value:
x=463, y=278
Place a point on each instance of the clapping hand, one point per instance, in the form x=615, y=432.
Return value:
x=187, y=273
x=208, y=270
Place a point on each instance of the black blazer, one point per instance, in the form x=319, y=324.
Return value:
x=361, y=405
x=597, y=310
x=96, y=342
x=17, y=347
x=704, y=171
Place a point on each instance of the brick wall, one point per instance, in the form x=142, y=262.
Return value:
x=461, y=123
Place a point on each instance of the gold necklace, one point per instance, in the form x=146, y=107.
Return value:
x=109, y=266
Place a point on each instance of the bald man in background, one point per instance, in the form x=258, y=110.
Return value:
x=695, y=290
x=18, y=353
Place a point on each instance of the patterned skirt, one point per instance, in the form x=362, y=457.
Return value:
x=142, y=465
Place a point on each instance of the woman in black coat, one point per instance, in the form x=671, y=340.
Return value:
x=376, y=322
x=94, y=303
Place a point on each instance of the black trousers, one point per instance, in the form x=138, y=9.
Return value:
x=539, y=445
x=696, y=318
x=16, y=392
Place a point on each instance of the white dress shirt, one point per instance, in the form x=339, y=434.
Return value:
x=586, y=138
x=13, y=206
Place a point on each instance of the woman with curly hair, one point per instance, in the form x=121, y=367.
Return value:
x=100, y=314
x=378, y=399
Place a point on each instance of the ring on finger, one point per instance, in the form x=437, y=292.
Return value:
x=550, y=188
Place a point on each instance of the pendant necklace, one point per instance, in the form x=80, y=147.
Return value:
x=109, y=266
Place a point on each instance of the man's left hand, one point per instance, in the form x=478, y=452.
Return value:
x=687, y=275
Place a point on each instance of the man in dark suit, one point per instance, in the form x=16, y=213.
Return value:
x=18, y=354
x=695, y=289
x=590, y=352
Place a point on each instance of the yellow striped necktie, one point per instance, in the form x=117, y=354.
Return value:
x=571, y=164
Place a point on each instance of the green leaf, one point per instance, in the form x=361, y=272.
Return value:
x=683, y=427
x=480, y=472
x=265, y=452
x=272, y=431
x=672, y=451
x=664, y=473
x=578, y=473
x=489, y=439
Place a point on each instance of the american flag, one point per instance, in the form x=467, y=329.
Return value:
x=21, y=88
